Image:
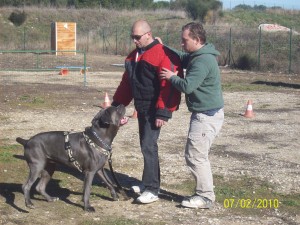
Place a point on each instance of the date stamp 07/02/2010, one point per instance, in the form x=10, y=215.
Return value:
x=257, y=203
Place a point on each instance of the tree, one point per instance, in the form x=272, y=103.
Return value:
x=53, y=3
x=242, y=7
x=260, y=8
x=178, y=4
x=198, y=9
x=161, y=5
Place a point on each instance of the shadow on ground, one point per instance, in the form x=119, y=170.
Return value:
x=9, y=190
x=278, y=84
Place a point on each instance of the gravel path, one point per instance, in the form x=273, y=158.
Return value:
x=265, y=147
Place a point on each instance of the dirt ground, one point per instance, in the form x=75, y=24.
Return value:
x=265, y=148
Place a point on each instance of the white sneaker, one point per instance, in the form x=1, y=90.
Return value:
x=196, y=202
x=147, y=197
x=138, y=188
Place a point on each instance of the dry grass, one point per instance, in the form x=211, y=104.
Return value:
x=103, y=31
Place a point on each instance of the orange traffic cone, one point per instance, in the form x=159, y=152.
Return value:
x=63, y=71
x=106, y=102
x=249, y=110
x=134, y=114
x=83, y=71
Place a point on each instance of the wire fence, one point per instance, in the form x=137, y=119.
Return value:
x=43, y=63
x=241, y=47
x=252, y=49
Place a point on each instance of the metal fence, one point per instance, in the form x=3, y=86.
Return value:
x=241, y=47
x=45, y=62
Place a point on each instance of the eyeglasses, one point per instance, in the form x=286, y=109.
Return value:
x=137, y=37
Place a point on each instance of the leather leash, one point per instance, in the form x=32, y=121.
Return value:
x=108, y=152
x=115, y=178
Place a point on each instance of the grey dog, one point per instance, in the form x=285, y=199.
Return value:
x=86, y=151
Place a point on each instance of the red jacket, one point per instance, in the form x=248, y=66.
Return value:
x=141, y=81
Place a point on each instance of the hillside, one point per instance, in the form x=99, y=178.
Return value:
x=102, y=31
x=38, y=20
x=288, y=18
x=89, y=22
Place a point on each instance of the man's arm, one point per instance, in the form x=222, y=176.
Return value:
x=192, y=80
x=123, y=94
x=169, y=98
x=184, y=57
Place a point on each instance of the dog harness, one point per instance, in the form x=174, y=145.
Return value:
x=70, y=153
x=106, y=150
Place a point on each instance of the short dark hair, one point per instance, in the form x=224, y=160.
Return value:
x=196, y=31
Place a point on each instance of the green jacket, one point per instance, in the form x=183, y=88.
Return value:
x=202, y=82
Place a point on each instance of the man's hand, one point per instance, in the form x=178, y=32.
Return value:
x=166, y=74
x=159, y=40
x=159, y=122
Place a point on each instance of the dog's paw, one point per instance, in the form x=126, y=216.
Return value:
x=53, y=199
x=115, y=197
x=89, y=209
x=30, y=206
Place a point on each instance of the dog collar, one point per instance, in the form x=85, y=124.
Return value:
x=91, y=133
x=106, y=146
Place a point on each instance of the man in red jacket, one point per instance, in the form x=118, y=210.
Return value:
x=154, y=100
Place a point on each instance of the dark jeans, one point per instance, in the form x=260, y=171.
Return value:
x=149, y=134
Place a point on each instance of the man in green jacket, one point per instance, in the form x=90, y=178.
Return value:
x=203, y=94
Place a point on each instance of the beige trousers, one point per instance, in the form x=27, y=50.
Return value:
x=202, y=132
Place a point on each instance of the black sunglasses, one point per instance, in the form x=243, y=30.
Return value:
x=137, y=37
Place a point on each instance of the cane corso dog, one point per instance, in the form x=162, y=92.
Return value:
x=86, y=151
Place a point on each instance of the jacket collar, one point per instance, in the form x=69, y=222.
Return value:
x=155, y=42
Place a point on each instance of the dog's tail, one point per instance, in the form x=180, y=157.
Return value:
x=21, y=141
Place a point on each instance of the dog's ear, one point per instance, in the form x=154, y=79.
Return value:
x=97, y=117
x=103, y=118
x=106, y=118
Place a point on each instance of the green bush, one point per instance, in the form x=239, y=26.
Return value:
x=17, y=17
x=245, y=62
x=198, y=9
